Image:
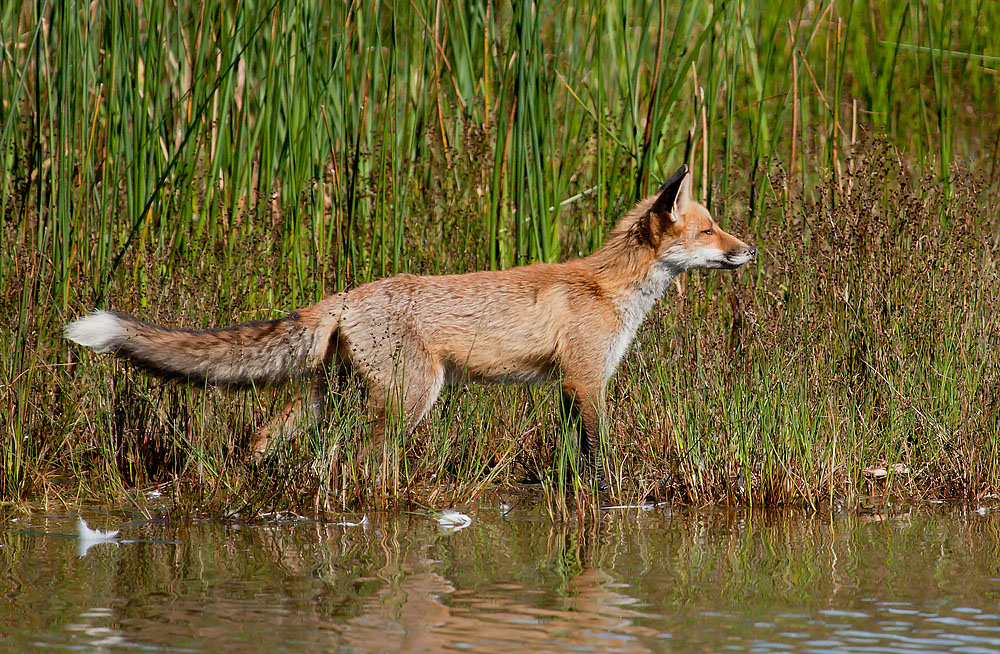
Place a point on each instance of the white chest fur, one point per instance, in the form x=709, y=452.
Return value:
x=633, y=309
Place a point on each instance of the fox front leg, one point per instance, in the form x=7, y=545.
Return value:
x=586, y=410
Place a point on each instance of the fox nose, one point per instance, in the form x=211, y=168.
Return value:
x=752, y=252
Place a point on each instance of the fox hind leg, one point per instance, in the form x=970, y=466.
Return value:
x=309, y=408
x=402, y=400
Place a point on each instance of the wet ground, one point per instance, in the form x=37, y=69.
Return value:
x=922, y=578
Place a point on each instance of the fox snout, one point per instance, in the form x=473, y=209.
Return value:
x=740, y=255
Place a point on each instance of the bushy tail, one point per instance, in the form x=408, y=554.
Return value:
x=250, y=353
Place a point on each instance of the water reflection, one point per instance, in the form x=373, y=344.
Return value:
x=495, y=608
x=94, y=634
x=925, y=579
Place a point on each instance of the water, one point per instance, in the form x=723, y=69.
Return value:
x=923, y=579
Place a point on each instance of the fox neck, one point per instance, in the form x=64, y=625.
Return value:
x=633, y=306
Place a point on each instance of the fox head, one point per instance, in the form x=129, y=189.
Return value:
x=683, y=233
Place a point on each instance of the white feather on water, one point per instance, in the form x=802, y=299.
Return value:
x=360, y=523
x=452, y=521
x=90, y=537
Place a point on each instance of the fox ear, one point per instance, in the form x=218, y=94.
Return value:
x=674, y=195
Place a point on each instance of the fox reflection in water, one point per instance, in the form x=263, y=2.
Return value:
x=387, y=587
x=419, y=608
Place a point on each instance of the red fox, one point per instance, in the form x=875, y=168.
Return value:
x=407, y=336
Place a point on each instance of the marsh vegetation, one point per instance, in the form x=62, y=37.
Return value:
x=206, y=163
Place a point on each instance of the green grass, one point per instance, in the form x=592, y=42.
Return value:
x=217, y=162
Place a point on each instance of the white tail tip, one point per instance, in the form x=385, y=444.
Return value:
x=99, y=331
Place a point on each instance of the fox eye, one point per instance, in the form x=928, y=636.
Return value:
x=709, y=232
